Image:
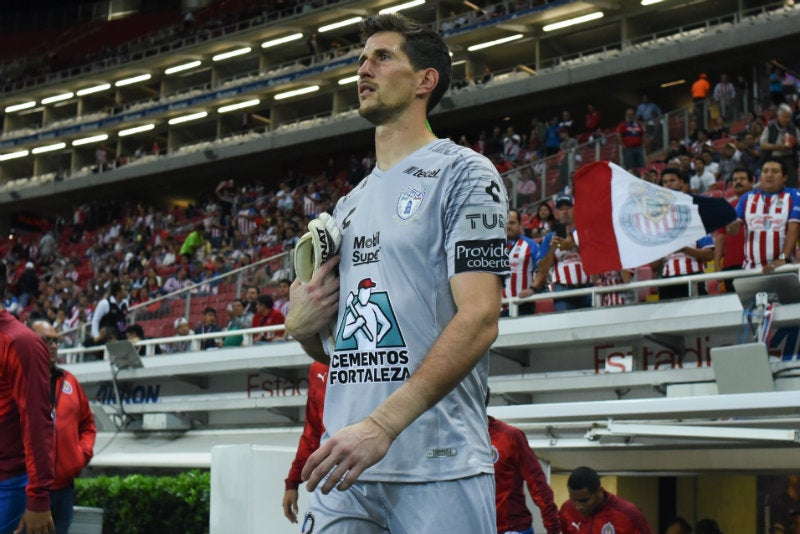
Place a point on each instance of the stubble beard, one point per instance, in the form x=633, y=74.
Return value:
x=380, y=113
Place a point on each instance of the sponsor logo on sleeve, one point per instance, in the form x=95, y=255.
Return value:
x=485, y=255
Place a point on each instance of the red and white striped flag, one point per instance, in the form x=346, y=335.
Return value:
x=624, y=222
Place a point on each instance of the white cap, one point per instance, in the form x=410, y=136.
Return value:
x=29, y=265
x=180, y=320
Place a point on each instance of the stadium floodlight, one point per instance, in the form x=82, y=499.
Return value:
x=57, y=98
x=240, y=105
x=232, y=53
x=14, y=155
x=20, y=107
x=349, y=79
x=136, y=129
x=650, y=2
x=132, y=80
x=185, y=66
x=340, y=24
x=187, y=118
x=89, y=140
x=502, y=40
x=572, y=22
x=48, y=148
x=281, y=40
x=297, y=92
x=401, y=7
x=95, y=89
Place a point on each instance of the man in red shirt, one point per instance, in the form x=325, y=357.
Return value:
x=309, y=441
x=729, y=248
x=75, y=431
x=515, y=462
x=267, y=315
x=592, y=510
x=26, y=426
x=631, y=135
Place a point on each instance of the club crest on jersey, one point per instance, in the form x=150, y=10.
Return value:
x=410, y=201
x=650, y=216
x=495, y=454
x=608, y=528
x=66, y=388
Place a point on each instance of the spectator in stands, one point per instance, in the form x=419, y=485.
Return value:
x=649, y=114
x=676, y=148
x=566, y=122
x=251, y=299
x=282, y=303
x=779, y=142
x=559, y=258
x=729, y=159
x=591, y=121
x=712, y=167
x=74, y=431
x=537, y=135
x=108, y=321
x=267, y=315
x=27, y=285
x=511, y=150
x=700, y=90
x=729, y=247
x=750, y=153
x=686, y=261
x=194, y=244
x=589, y=503
x=543, y=221
x=309, y=440
x=181, y=325
x=135, y=333
x=237, y=320
x=771, y=215
x=702, y=180
x=631, y=135
x=776, y=76
x=522, y=254
x=209, y=326
x=552, y=142
x=180, y=280
x=725, y=96
x=701, y=142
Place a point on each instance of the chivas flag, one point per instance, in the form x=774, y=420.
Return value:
x=625, y=222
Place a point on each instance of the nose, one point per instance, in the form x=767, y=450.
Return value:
x=363, y=69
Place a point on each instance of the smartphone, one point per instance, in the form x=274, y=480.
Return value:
x=560, y=229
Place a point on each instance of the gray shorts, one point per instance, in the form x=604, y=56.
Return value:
x=462, y=505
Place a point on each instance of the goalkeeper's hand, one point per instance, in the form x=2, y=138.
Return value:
x=317, y=246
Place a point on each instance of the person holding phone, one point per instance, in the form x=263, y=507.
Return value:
x=559, y=257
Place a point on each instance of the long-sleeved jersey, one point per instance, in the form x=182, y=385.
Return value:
x=515, y=463
x=313, y=429
x=26, y=424
x=615, y=515
x=75, y=429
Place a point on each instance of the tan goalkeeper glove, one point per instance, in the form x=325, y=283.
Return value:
x=317, y=246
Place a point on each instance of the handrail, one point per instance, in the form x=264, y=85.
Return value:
x=597, y=291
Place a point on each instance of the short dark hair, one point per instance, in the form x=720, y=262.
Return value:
x=778, y=161
x=584, y=478
x=677, y=172
x=135, y=329
x=424, y=47
x=707, y=526
x=265, y=300
x=209, y=309
x=684, y=524
x=745, y=170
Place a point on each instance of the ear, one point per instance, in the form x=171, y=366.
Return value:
x=428, y=81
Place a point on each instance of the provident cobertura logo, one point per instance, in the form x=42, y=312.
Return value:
x=651, y=217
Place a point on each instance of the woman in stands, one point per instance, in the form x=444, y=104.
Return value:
x=543, y=221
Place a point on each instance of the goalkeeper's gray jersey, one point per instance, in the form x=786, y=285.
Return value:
x=439, y=212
